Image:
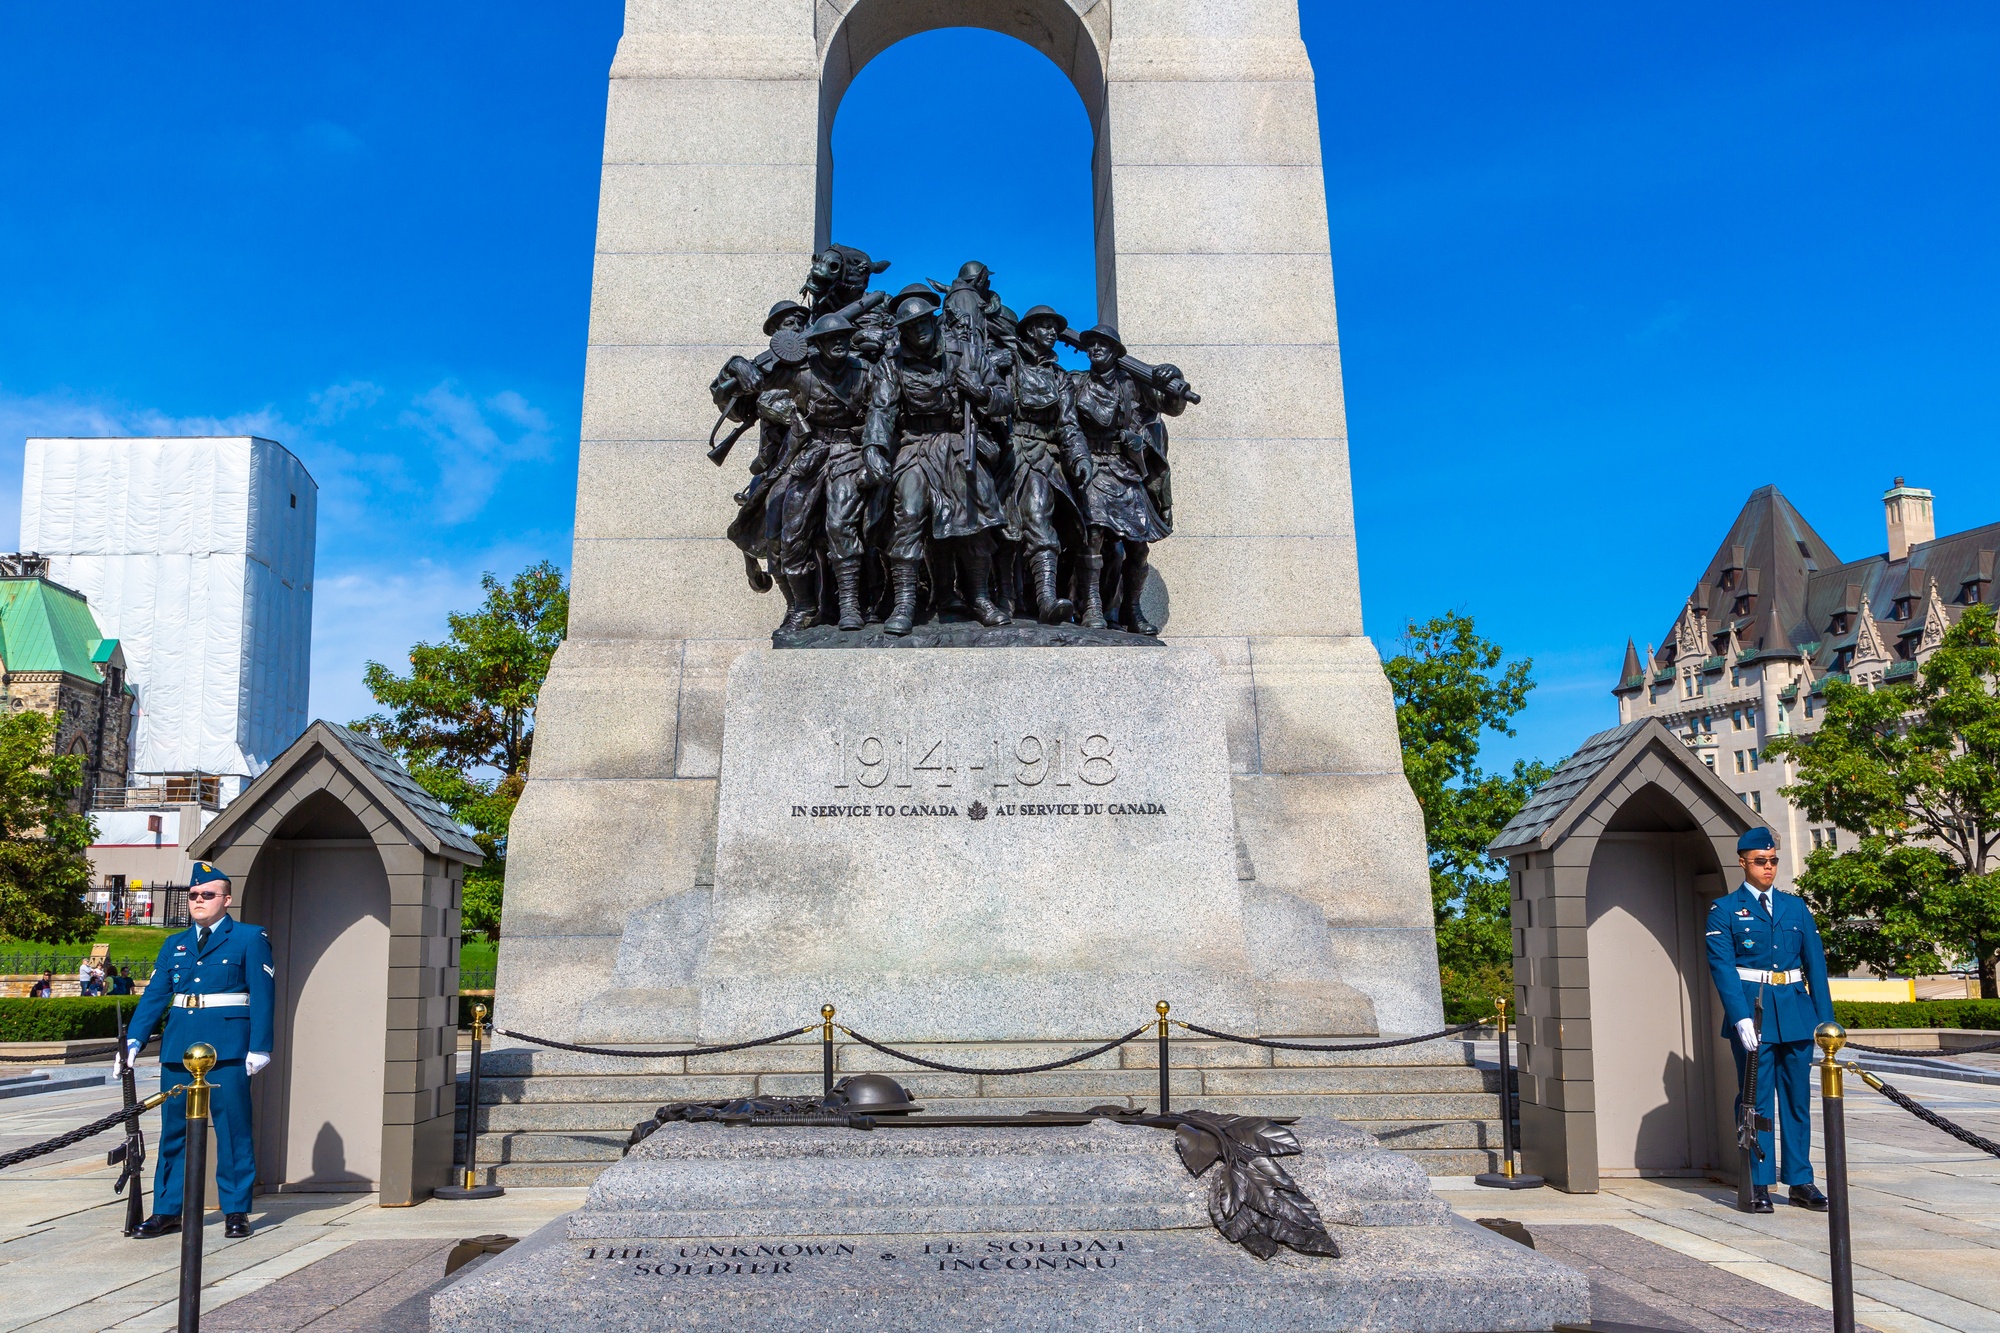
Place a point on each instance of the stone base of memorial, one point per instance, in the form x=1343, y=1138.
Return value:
x=1089, y=1227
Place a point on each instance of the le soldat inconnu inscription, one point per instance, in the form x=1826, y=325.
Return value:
x=905, y=774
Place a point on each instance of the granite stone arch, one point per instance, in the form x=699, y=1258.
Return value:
x=1070, y=33
x=356, y=872
x=1612, y=865
x=1213, y=254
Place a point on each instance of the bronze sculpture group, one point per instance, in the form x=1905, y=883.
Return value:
x=927, y=455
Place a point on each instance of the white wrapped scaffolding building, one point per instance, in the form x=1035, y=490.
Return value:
x=197, y=555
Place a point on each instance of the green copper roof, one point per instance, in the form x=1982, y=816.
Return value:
x=46, y=627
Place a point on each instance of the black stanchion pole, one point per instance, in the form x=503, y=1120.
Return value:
x=1165, y=1073
x=200, y=1058
x=1840, y=1246
x=471, y=1188
x=1506, y=1178
x=826, y=1053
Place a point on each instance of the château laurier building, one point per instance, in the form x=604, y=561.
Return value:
x=1776, y=615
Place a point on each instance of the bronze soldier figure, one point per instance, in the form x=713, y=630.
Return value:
x=1042, y=511
x=820, y=493
x=931, y=406
x=1114, y=408
x=838, y=276
x=735, y=390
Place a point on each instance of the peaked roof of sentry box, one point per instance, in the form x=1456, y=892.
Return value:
x=1577, y=782
x=428, y=824
x=47, y=627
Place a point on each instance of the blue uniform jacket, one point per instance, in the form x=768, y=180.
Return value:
x=1741, y=935
x=238, y=958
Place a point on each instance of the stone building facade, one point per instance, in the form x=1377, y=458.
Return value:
x=53, y=659
x=1776, y=615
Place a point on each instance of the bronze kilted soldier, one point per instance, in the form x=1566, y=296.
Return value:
x=918, y=405
x=1043, y=515
x=1114, y=408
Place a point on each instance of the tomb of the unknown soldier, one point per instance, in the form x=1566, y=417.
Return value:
x=938, y=726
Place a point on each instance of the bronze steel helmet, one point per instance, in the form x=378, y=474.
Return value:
x=910, y=309
x=1043, y=312
x=827, y=325
x=873, y=1094
x=972, y=273
x=779, y=311
x=1102, y=333
x=921, y=290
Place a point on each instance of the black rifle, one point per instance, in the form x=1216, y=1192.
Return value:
x=1748, y=1127
x=130, y=1154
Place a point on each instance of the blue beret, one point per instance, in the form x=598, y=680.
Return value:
x=1757, y=840
x=203, y=873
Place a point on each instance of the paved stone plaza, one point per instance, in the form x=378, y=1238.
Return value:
x=1662, y=1254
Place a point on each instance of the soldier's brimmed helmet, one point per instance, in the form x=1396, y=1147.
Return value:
x=919, y=291
x=910, y=309
x=873, y=1094
x=779, y=311
x=1043, y=312
x=1103, y=333
x=828, y=325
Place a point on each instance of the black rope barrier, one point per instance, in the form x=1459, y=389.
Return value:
x=968, y=1069
x=46, y=1057
x=655, y=1055
x=1351, y=1046
x=1928, y=1116
x=1905, y=1050
x=75, y=1136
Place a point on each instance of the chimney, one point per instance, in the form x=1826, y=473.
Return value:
x=1908, y=509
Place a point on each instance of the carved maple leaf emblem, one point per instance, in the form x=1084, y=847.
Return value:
x=977, y=810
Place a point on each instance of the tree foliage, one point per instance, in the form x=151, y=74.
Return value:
x=1452, y=688
x=44, y=843
x=1914, y=772
x=463, y=719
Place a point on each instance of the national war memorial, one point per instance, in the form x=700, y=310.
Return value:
x=989, y=704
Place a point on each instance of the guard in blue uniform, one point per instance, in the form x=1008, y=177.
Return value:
x=213, y=982
x=1764, y=942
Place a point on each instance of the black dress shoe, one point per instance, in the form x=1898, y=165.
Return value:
x=1760, y=1200
x=236, y=1226
x=157, y=1225
x=1808, y=1196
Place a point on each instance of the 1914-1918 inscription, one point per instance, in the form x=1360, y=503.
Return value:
x=1059, y=1255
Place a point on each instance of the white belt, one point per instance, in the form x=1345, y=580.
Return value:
x=224, y=1001
x=1791, y=978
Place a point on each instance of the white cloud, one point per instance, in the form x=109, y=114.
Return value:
x=473, y=444
x=337, y=400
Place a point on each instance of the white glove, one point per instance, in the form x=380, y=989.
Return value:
x=1746, y=1032
x=255, y=1061
x=131, y=1060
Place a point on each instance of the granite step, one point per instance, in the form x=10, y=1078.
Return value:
x=559, y=1117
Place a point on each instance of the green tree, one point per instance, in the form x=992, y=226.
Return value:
x=44, y=866
x=463, y=719
x=1913, y=770
x=1451, y=689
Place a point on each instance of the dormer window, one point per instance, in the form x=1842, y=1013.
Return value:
x=1843, y=658
x=1839, y=625
x=1903, y=608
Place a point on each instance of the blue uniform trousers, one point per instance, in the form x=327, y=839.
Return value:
x=236, y=1158
x=1784, y=1079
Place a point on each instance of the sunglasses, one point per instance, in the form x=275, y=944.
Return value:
x=1760, y=860
x=203, y=895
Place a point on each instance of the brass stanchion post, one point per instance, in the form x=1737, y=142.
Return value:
x=199, y=1059
x=1165, y=1075
x=1840, y=1247
x=826, y=1053
x=470, y=1188
x=1506, y=1178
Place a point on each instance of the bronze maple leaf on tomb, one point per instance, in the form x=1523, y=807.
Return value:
x=977, y=810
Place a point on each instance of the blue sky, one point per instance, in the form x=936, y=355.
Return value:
x=1602, y=270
